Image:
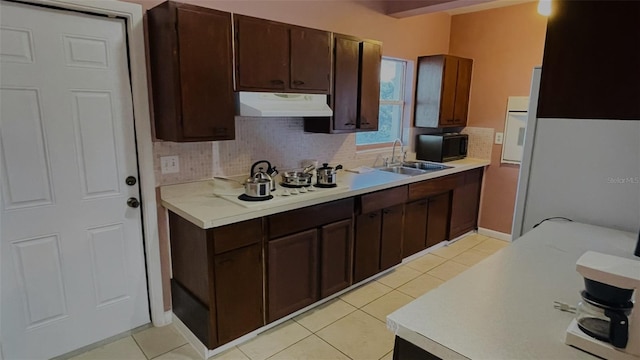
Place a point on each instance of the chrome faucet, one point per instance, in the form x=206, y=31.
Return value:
x=393, y=152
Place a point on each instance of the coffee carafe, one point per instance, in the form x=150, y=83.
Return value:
x=607, y=324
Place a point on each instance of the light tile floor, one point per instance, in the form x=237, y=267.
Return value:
x=349, y=327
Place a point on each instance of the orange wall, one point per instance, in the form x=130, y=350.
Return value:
x=505, y=44
x=403, y=38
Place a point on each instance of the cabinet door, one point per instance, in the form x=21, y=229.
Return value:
x=448, y=99
x=206, y=83
x=391, y=238
x=371, y=54
x=367, y=246
x=238, y=292
x=345, y=93
x=415, y=227
x=191, y=72
x=438, y=219
x=310, y=60
x=463, y=86
x=336, y=249
x=262, y=54
x=465, y=202
x=292, y=273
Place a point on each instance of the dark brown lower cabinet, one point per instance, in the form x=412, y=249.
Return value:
x=437, y=218
x=415, y=228
x=426, y=223
x=378, y=241
x=367, y=245
x=217, y=278
x=292, y=273
x=336, y=254
x=465, y=202
x=391, y=238
x=238, y=284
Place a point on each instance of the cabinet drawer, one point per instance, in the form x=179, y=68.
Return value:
x=235, y=236
x=310, y=217
x=433, y=187
x=382, y=199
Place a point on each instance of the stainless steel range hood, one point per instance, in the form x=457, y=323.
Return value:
x=282, y=105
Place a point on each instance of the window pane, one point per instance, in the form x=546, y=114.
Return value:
x=390, y=123
x=391, y=79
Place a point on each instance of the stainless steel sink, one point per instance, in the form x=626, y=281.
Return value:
x=414, y=168
x=403, y=170
x=423, y=165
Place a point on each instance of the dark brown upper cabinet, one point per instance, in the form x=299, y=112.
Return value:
x=272, y=56
x=442, y=91
x=355, y=97
x=191, y=72
x=588, y=71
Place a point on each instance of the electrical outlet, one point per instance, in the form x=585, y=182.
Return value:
x=499, y=138
x=169, y=164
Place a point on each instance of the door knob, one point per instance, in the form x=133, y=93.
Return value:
x=133, y=202
x=131, y=180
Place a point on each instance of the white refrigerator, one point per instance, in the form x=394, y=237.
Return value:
x=585, y=170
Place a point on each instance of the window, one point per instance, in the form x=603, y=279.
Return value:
x=392, y=85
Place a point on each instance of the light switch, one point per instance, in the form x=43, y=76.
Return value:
x=169, y=164
x=499, y=138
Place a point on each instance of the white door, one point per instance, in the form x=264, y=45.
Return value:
x=71, y=250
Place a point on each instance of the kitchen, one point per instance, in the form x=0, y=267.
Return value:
x=202, y=160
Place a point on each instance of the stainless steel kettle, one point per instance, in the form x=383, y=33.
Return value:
x=268, y=174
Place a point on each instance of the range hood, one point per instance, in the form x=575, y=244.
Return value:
x=282, y=105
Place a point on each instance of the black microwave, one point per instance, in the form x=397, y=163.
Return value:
x=442, y=147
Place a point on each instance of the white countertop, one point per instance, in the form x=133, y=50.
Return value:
x=209, y=203
x=503, y=307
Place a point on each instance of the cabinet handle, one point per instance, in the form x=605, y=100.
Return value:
x=298, y=82
x=349, y=124
x=372, y=215
x=386, y=211
x=277, y=82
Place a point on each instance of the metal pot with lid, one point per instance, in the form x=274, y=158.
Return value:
x=298, y=178
x=327, y=175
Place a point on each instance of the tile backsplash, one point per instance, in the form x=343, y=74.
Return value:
x=282, y=142
x=195, y=161
x=480, y=142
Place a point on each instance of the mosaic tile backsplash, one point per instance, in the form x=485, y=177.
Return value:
x=480, y=142
x=282, y=142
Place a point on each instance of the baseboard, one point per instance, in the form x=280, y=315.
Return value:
x=494, y=234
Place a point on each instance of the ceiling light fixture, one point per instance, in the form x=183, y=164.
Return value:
x=544, y=7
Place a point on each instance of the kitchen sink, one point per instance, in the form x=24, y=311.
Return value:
x=402, y=170
x=414, y=168
x=425, y=165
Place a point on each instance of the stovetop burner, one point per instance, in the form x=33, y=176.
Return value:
x=281, y=196
x=245, y=197
x=325, y=186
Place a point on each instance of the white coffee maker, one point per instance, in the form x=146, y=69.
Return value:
x=607, y=324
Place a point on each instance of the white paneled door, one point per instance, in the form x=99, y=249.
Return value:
x=72, y=259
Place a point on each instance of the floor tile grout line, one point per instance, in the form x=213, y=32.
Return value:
x=288, y=346
x=243, y=353
x=140, y=347
x=150, y=358
x=313, y=332
x=328, y=343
